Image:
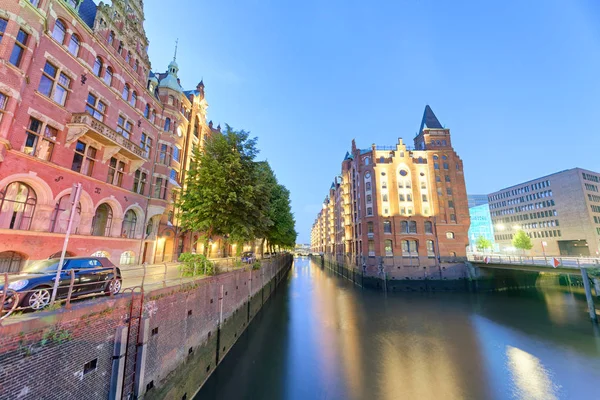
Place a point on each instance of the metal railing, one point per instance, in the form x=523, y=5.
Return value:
x=145, y=277
x=548, y=261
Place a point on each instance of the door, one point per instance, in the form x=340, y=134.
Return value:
x=88, y=273
x=65, y=280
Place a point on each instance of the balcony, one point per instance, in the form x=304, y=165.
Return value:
x=83, y=124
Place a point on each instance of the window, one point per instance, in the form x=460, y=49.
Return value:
x=124, y=127
x=40, y=140
x=174, y=175
x=125, y=93
x=167, y=125
x=430, y=249
x=95, y=107
x=60, y=216
x=412, y=226
x=133, y=99
x=120, y=48
x=176, y=153
x=369, y=198
x=108, y=76
x=387, y=227
x=436, y=165
x=74, y=45
x=428, y=227
x=450, y=235
x=384, y=184
x=164, y=156
x=128, y=57
x=146, y=144
x=385, y=198
x=102, y=221
x=453, y=217
x=371, y=248
x=447, y=177
x=97, y=66
x=424, y=198
x=3, y=24
x=450, y=204
x=111, y=38
x=127, y=257
x=139, y=181
x=73, y=3
x=116, y=170
x=17, y=205
x=367, y=160
x=389, y=252
x=445, y=166
x=369, y=211
x=368, y=186
x=449, y=191
x=20, y=44
x=171, y=100
x=129, y=223
x=409, y=248
x=147, y=111
x=370, y=228
x=401, y=197
x=153, y=116
x=160, y=188
x=59, y=32
x=135, y=65
x=53, y=87
x=84, y=159
x=3, y=102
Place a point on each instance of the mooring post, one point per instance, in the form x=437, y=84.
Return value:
x=588, y=294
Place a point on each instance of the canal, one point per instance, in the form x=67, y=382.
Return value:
x=321, y=337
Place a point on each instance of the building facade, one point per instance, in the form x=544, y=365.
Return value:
x=559, y=212
x=79, y=104
x=397, y=201
x=481, y=226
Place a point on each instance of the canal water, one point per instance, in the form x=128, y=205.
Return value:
x=321, y=337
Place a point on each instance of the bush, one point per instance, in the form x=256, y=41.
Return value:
x=195, y=264
x=256, y=264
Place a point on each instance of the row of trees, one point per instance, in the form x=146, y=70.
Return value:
x=228, y=194
x=520, y=241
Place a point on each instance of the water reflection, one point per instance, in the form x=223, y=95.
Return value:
x=323, y=338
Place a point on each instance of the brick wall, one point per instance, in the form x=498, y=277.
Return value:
x=68, y=354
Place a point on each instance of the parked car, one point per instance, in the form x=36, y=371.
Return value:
x=266, y=255
x=248, y=257
x=34, y=284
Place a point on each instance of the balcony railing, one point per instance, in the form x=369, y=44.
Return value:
x=84, y=124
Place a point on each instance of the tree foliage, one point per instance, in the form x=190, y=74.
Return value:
x=228, y=194
x=521, y=241
x=483, y=243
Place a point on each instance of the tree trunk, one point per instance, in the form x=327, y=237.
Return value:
x=206, y=244
x=262, y=246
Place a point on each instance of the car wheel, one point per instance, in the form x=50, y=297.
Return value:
x=114, y=286
x=38, y=298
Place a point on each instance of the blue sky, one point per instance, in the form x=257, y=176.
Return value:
x=517, y=82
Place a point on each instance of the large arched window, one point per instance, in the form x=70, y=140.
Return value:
x=108, y=76
x=111, y=38
x=97, y=66
x=17, y=205
x=127, y=257
x=74, y=45
x=133, y=99
x=129, y=223
x=59, y=31
x=168, y=125
x=11, y=261
x=60, y=216
x=389, y=248
x=125, y=93
x=153, y=116
x=147, y=110
x=102, y=221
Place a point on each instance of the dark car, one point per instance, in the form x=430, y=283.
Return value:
x=248, y=257
x=34, y=284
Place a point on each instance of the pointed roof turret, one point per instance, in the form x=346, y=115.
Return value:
x=171, y=81
x=430, y=120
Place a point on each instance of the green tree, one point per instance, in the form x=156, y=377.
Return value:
x=522, y=241
x=483, y=243
x=220, y=196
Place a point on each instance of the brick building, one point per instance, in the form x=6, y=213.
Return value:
x=397, y=201
x=79, y=103
x=559, y=212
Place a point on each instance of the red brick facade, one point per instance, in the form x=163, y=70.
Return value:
x=79, y=104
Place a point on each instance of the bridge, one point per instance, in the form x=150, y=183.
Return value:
x=560, y=265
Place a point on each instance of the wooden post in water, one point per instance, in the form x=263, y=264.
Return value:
x=588, y=295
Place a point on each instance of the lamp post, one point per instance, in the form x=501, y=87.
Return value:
x=544, y=244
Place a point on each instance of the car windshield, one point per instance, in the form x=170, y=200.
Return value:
x=42, y=266
x=247, y=254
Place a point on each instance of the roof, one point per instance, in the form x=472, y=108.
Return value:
x=87, y=12
x=430, y=120
x=348, y=156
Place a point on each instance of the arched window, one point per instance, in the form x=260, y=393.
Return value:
x=128, y=57
x=147, y=111
x=108, y=76
x=100, y=253
x=450, y=235
x=125, y=94
x=367, y=160
x=428, y=227
x=435, y=157
x=171, y=100
x=97, y=66
x=11, y=262
x=17, y=205
x=127, y=257
x=385, y=197
x=74, y=45
x=410, y=248
x=59, y=31
x=382, y=159
x=102, y=221
x=404, y=227
x=389, y=248
x=135, y=65
x=129, y=223
x=430, y=249
x=412, y=226
x=387, y=227
x=60, y=216
x=111, y=38
x=153, y=116
x=167, y=124
x=133, y=99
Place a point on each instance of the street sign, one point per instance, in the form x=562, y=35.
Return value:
x=555, y=262
x=487, y=260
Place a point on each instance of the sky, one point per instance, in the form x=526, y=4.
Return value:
x=517, y=82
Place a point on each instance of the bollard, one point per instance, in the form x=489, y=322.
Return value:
x=588, y=295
